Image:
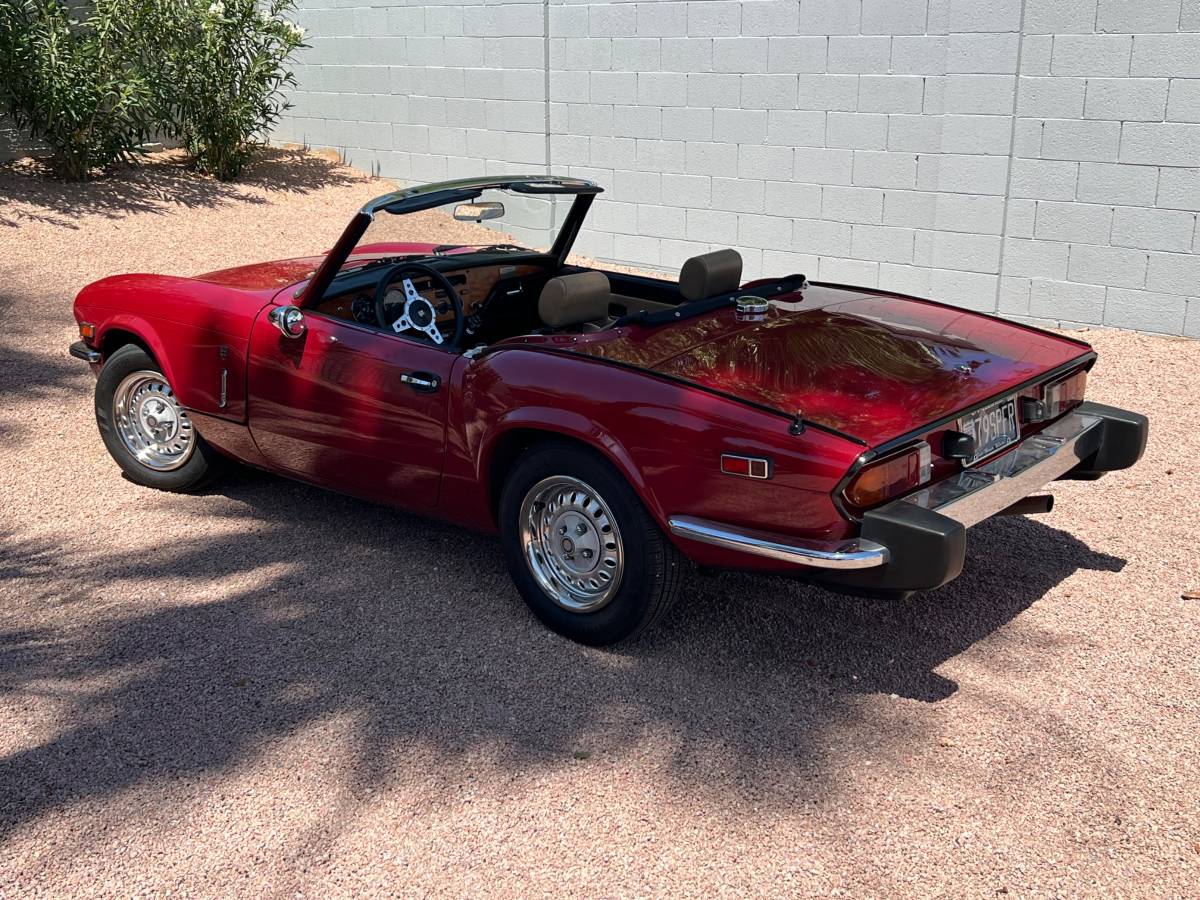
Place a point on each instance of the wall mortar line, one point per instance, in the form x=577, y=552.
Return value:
x=553, y=229
x=546, y=65
x=1012, y=147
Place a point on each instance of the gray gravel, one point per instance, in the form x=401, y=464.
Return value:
x=270, y=690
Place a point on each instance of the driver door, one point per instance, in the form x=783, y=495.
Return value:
x=351, y=408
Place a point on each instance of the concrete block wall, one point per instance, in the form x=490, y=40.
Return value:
x=1039, y=158
x=1105, y=187
x=423, y=91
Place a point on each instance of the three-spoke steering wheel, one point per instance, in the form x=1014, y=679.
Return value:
x=419, y=313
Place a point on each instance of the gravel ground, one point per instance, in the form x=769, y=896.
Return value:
x=270, y=690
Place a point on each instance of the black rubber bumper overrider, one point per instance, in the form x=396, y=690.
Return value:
x=926, y=550
x=1122, y=445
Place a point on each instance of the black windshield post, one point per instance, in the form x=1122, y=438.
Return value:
x=571, y=226
x=312, y=293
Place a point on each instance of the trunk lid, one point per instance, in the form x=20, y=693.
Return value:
x=871, y=365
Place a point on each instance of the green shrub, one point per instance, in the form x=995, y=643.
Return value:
x=220, y=87
x=75, y=85
x=210, y=73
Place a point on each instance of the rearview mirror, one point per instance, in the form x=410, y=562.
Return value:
x=477, y=212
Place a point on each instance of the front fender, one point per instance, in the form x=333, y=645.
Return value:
x=148, y=335
x=197, y=331
x=206, y=369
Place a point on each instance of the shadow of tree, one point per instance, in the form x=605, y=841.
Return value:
x=27, y=374
x=158, y=184
x=32, y=295
x=412, y=627
x=34, y=375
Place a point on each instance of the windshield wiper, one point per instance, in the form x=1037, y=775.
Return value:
x=491, y=248
x=383, y=261
x=477, y=248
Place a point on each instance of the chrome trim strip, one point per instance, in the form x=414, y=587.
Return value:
x=982, y=491
x=850, y=554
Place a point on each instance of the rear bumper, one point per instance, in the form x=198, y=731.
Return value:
x=848, y=555
x=919, y=542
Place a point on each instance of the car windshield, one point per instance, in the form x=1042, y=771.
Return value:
x=469, y=217
x=516, y=223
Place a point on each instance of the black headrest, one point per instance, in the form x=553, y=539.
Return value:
x=710, y=274
x=574, y=299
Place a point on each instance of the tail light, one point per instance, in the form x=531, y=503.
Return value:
x=890, y=477
x=1056, y=398
x=1064, y=394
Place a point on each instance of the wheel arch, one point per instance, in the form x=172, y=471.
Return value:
x=121, y=331
x=116, y=338
x=525, y=428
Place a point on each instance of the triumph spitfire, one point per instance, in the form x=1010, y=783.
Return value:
x=607, y=425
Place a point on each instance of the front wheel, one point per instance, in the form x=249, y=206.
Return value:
x=145, y=428
x=586, y=556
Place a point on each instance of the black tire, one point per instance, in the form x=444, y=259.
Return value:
x=204, y=462
x=652, y=568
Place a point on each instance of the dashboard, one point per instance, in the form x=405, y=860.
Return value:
x=475, y=285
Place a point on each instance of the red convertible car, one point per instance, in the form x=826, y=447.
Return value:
x=606, y=425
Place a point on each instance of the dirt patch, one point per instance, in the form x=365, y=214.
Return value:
x=268, y=689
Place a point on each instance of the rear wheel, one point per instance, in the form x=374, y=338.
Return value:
x=586, y=556
x=145, y=428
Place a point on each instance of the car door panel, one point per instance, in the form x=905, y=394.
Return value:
x=335, y=407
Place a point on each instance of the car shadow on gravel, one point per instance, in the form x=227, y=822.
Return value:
x=302, y=606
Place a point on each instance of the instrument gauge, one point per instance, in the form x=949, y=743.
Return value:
x=363, y=311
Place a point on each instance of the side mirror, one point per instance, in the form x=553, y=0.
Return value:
x=288, y=319
x=477, y=212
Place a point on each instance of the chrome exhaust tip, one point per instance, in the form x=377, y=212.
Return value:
x=1039, y=503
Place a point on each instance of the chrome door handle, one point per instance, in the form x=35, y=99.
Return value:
x=421, y=381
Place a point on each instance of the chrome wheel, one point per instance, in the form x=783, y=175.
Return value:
x=572, y=543
x=152, y=425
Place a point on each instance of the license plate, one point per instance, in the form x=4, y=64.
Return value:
x=993, y=428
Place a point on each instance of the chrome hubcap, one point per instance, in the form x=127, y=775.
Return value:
x=152, y=425
x=572, y=544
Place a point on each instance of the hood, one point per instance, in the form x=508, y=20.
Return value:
x=264, y=276
x=280, y=273
x=874, y=366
